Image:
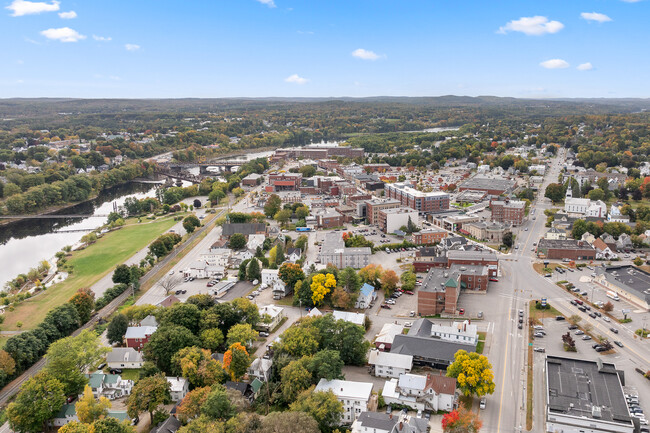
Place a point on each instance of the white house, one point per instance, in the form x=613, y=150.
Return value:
x=430, y=392
x=367, y=294
x=555, y=233
x=390, y=364
x=459, y=332
x=616, y=216
x=356, y=318
x=260, y=368
x=355, y=396
x=275, y=314
x=254, y=241
x=221, y=257
x=280, y=290
x=124, y=357
x=179, y=387
x=374, y=422
x=111, y=386
x=576, y=205
x=270, y=276
x=597, y=209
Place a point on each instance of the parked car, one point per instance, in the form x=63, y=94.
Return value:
x=264, y=334
x=116, y=371
x=496, y=280
x=558, y=318
x=520, y=325
x=580, y=332
x=408, y=324
x=389, y=409
x=482, y=403
x=586, y=337
x=538, y=335
x=386, y=306
x=614, y=330
x=540, y=349
x=461, y=311
x=572, y=327
x=408, y=292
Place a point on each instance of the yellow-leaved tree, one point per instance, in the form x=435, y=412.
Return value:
x=473, y=372
x=90, y=410
x=321, y=285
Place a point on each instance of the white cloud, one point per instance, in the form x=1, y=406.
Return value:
x=63, y=34
x=132, y=47
x=269, y=3
x=360, y=53
x=24, y=7
x=595, y=16
x=536, y=26
x=585, y=66
x=554, y=64
x=102, y=38
x=297, y=79
x=68, y=15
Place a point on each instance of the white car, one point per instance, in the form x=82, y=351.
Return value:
x=390, y=301
x=171, y=272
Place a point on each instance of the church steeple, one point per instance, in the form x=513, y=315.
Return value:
x=569, y=192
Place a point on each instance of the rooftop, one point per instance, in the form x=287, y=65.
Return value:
x=139, y=331
x=398, y=210
x=630, y=278
x=472, y=255
x=376, y=420
x=438, y=279
x=565, y=244
x=586, y=389
x=395, y=360
x=408, y=189
x=356, y=318
x=483, y=182
x=346, y=388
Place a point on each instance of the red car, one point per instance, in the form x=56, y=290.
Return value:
x=408, y=292
x=496, y=280
x=461, y=311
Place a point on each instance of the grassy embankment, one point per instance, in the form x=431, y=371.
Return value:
x=90, y=265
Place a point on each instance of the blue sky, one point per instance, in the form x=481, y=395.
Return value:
x=228, y=48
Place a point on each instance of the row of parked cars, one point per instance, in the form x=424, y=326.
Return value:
x=636, y=411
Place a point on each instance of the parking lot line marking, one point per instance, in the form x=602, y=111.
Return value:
x=503, y=382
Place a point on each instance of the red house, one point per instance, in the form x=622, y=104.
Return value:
x=137, y=336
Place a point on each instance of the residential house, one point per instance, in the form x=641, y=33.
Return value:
x=280, y=289
x=254, y=241
x=124, y=357
x=388, y=364
x=170, y=425
x=149, y=321
x=68, y=413
x=270, y=276
x=431, y=392
x=137, y=336
x=273, y=313
x=111, y=386
x=179, y=387
x=168, y=301
x=355, y=396
x=603, y=252
x=293, y=254
x=374, y=422
x=367, y=295
x=356, y=318
x=463, y=332
x=555, y=234
x=260, y=368
x=245, y=388
x=384, y=340
x=624, y=242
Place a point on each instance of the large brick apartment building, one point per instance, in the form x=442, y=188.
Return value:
x=508, y=211
x=421, y=201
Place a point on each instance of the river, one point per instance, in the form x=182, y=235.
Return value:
x=25, y=243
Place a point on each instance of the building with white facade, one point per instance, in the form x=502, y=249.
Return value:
x=576, y=205
x=356, y=318
x=275, y=315
x=179, y=387
x=355, y=396
x=431, y=392
x=390, y=364
x=124, y=357
x=367, y=294
x=459, y=332
x=270, y=276
x=390, y=220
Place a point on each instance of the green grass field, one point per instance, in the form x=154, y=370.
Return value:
x=90, y=265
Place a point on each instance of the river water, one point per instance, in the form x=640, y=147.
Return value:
x=25, y=243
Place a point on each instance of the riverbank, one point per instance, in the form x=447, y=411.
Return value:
x=90, y=265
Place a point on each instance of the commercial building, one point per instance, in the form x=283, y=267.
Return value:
x=374, y=168
x=384, y=340
x=327, y=217
x=490, y=185
x=335, y=252
x=565, y=249
x=421, y=201
x=628, y=282
x=285, y=181
x=509, y=212
x=246, y=229
x=487, y=231
x=372, y=208
x=487, y=258
x=463, y=332
x=453, y=221
x=585, y=396
x=355, y=396
x=390, y=220
x=429, y=236
x=439, y=292
x=252, y=179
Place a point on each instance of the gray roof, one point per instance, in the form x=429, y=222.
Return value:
x=149, y=321
x=437, y=278
x=629, y=278
x=428, y=349
x=124, y=354
x=230, y=229
x=170, y=425
x=575, y=387
x=376, y=420
x=471, y=255
x=483, y=183
x=564, y=244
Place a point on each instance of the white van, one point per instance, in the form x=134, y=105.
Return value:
x=613, y=295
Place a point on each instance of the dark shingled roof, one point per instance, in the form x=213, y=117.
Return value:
x=230, y=229
x=376, y=420
x=170, y=425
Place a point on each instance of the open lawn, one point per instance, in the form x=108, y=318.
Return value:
x=90, y=265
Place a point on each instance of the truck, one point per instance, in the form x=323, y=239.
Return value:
x=613, y=295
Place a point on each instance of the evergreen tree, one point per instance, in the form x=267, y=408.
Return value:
x=253, y=272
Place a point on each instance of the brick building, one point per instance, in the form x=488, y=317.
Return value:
x=252, y=179
x=508, y=211
x=491, y=185
x=374, y=168
x=374, y=206
x=285, y=181
x=327, y=217
x=421, y=201
x=565, y=249
x=461, y=258
x=429, y=236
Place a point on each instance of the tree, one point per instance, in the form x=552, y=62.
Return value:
x=88, y=409
x=323, y=406
x=579, y=229
x=69, y=358
x=302, y=212
x=237, y=241
x=147, y=394
x=190, y=223
x=295, y=378
x=461, y=420
x=74, y=427
x=165, y=342
x=569, y=342
x=326, y=364
x=187, y=362
x=349, y=280
x=290, y=273
x=279, y=254
x=39, y=399
x=84, y=302
x=282, y=422
x=596, y=194
x=7, y=364
x=236, y=361
x=389, y=280
x=182, y=314
x=410, y=226
x=554, y=192
x=473, y=373
x=272, y=206
x=371, y=274
x=342, y=299
x=321, y=285
x=300, y=341
x=507, y=239
x=111, y=425
x=574, y=319
x=283, y=216
x=217, y=405
x=408, y=280
x=242, y=333
x=608, y=307
x=117, y=328
x=253, y=272
x=169, y=283
x=122, y=274
x=197, y=203
x=212, y=339
x=190, y=406
x=638, y=261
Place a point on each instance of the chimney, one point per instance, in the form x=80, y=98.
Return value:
x=401, y=425
x=391, y=415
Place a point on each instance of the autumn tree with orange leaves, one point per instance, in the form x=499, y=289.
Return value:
x=461, y=421
x=236, y=361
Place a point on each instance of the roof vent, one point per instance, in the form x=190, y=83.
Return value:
x=596, y=412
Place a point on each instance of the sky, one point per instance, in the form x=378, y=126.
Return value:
x=324, y=48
